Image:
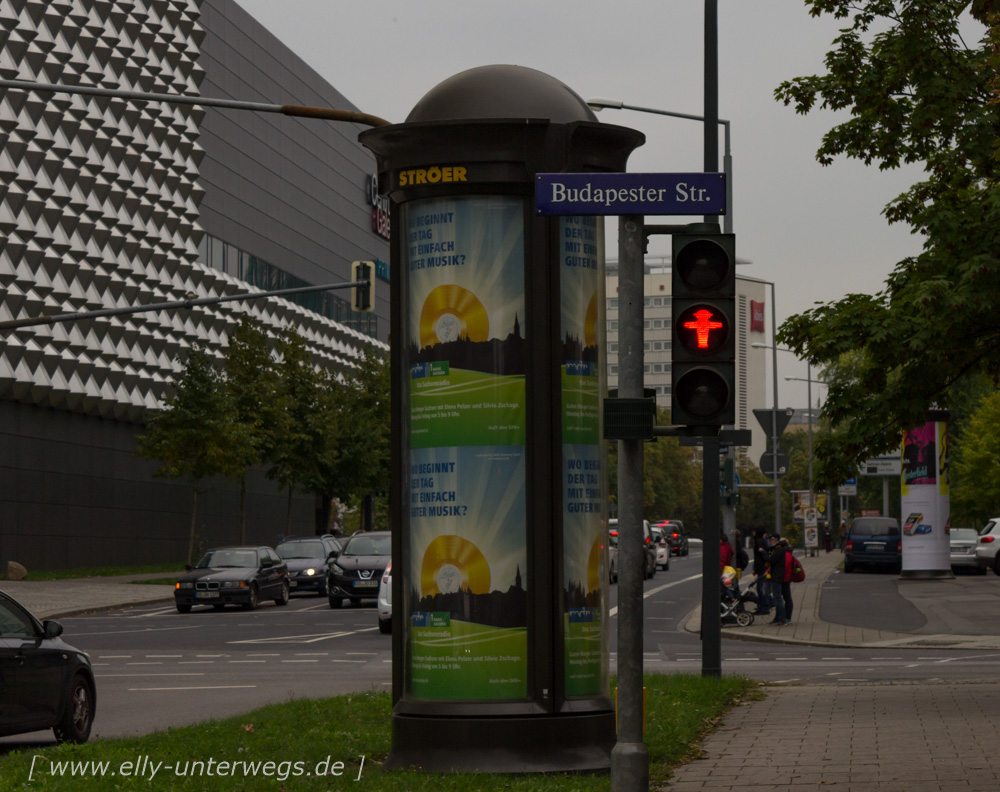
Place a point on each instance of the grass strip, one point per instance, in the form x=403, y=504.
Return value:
x=298, y=745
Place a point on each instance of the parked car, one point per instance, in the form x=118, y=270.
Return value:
x=308, y=560
x=661, y=547
x=989, y=543
x=242, y=575
x=613, y=556
x=872, y=541
x=356, y=573
x=677, y=536
x=44, y=682
x=385, y=601
x=962, y=542
x=647, y=543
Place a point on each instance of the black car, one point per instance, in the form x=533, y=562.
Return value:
x=308, y=560
x=44, y=682
x=357, y=572
x=233, y=576
x=677, y=536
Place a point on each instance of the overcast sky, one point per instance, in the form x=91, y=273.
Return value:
x=817, y=232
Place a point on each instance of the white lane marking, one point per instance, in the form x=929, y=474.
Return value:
x=164, y=655
x=208, y=687
x=835, y=673
x=115, y=657
x=248, y=661
x=140, y=630
x=657, y=590
x=785, y=681
x=158, y=612
x=308, y=638
x=352, y=661
x=836, y=658
x=300, y=661
x=138, y=662
x=313, y=607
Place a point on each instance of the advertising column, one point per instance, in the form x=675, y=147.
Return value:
x=585, y=566
x=925, y=501
x=466, y=605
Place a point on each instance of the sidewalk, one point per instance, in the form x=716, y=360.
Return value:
x=808, y=628
x=54, y=599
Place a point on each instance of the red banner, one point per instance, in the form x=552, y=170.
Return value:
x=756, y=317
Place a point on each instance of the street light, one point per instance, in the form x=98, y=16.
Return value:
x=727, y=160
x=809, y=418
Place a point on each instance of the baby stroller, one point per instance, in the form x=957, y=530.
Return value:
x=734, y=600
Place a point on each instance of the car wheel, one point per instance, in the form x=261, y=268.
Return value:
x=385, y=626
x=336, y=602
x=183, y=608
x=282, y=598
x=996, y=564
x=78, y=716
x=251, y=604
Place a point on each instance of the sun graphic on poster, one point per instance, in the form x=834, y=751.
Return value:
x=594, y=564
x=590, y=323
x=452, y=564
x=451, y=312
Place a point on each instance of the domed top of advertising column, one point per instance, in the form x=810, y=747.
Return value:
x=501, y=92
x=503, y=124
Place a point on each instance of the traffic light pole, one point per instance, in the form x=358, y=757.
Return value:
x=630, y=757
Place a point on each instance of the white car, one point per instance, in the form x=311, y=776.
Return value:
x=989, y=543
x=385, y=601
x=661, y=546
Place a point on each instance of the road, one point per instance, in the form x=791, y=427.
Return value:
x=156, y=668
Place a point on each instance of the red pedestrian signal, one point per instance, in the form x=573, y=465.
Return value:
x=703, y=347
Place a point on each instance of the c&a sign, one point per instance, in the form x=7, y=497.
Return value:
x=380, y=208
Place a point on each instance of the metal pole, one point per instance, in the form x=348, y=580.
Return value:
x=630, y=757
x=809, y=418
x=774, y=416
x=16, y=324
x=301, y=111
x=727, y=167
x=711, y=619
x=711, y=91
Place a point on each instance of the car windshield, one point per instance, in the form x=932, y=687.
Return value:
x=222, y=559
x=368, y=546
x=301, y=550
x=964, y=534
x=875, y=527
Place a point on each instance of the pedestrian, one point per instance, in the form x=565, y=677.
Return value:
x=725, y=553
x=842, y=534
x=760, y=556
x=786, y=585
x=776, y=573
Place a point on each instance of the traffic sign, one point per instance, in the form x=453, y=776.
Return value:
x=767, y=464
x=764, y=418
x=630, y=193
x=882, y=466
x=849, y=487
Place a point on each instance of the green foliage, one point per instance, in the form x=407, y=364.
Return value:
x=917, y=93
x=975, y=466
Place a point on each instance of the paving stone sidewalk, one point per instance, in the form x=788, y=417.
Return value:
x=863, y=738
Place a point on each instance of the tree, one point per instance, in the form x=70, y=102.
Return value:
x=351, y=424
x=291, y=449
x=917, y=93
x=252, y=387
x=975, y=466
x=195, y=437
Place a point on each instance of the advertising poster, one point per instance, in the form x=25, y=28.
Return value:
x=467, y=602
x=585, y=570
x=925, y=501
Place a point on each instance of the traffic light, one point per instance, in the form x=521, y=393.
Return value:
x=362, y=271
x=703, y=343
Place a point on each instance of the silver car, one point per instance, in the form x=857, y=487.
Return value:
x=385, y=601
x=963, y=543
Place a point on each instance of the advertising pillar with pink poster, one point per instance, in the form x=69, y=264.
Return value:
x=925, y=501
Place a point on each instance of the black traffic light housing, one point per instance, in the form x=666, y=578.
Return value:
x=703, y=316
x=361, y=272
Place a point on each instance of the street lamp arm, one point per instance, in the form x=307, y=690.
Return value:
x=326, y=113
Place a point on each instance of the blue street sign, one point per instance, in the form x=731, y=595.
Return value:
x=630, y=193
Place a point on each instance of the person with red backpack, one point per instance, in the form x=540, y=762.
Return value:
x=786, y=586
